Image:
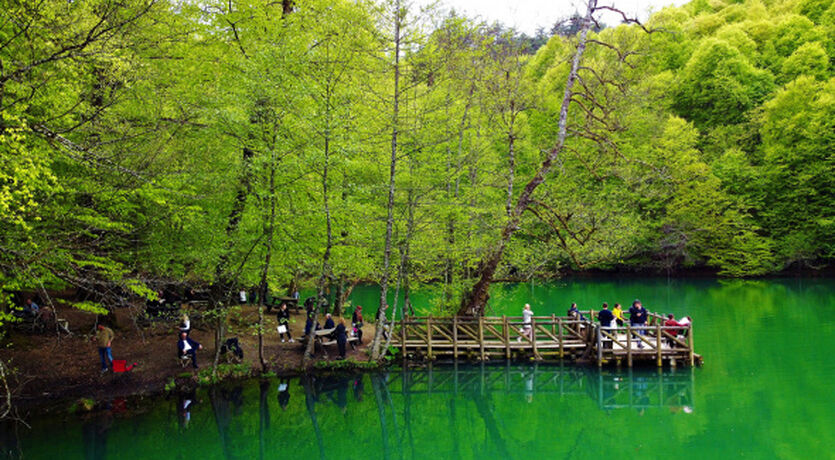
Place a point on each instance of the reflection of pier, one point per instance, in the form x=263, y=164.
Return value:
x=612, y=390
x=545, y=337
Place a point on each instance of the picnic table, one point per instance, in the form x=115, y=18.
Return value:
x=322, y=337
x=276, y=302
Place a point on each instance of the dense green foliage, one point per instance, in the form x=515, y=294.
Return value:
x=154, y=140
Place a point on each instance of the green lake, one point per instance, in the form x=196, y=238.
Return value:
x=765, y=391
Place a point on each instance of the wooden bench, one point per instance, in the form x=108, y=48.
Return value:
x=323, y=339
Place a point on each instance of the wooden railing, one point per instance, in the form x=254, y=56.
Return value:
x=491, y=336
x=545, y=336
x=675, y=343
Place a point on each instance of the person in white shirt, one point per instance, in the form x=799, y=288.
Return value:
x=527, y=330
x=185, y=325
x=242, y=295
x=187, y=347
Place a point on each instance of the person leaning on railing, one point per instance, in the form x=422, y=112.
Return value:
x=618, y=312
x=574, y=313
x=671, y=322
x=606, y=319
x=638, y=317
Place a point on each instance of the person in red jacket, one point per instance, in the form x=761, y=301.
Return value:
x=670, y=323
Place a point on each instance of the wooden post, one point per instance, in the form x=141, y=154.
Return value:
x=690, y=341
x=658, y=344
x=506, y=332
x=481, y=335
x=533, y=339
x=599, y=347
x=629, y=348
x=429, y=337
x=455, y=337
x=553, y=322
x=561, y=339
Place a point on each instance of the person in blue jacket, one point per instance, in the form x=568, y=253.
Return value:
x=329, y=324
x=574, y=313
x=187, y=346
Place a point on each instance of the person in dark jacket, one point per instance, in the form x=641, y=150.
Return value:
x=341, y=338
x=638, y=317
x=356, y=322
x=637, y=314
x=311, y=325
x=606, y=319
x=283, y=317
x=186, y=346
x=329, y=324
x=574, y=312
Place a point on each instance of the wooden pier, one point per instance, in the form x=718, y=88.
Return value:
x=551, y=338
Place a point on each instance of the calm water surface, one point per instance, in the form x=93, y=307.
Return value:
x=766, y=391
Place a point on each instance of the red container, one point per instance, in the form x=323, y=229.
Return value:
x=120, y=365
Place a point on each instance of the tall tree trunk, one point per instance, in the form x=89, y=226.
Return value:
x=375, y=345
x=453, y=193
x=323, y=279
x=347, y=290
x=220, y=293
x=233, y=220
x=474, y=302
x=511, y=164
x=338, y=298
x=269, y=230
x=406, y=261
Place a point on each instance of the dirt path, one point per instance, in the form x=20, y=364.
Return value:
x=50, y=369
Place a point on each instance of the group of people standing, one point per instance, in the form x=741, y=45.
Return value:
x=638, y=317
x=340, y=330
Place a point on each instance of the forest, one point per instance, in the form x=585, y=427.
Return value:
x=325, y=143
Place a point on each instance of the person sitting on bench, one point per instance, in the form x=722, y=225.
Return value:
x=187, y=347
x=329, y=324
